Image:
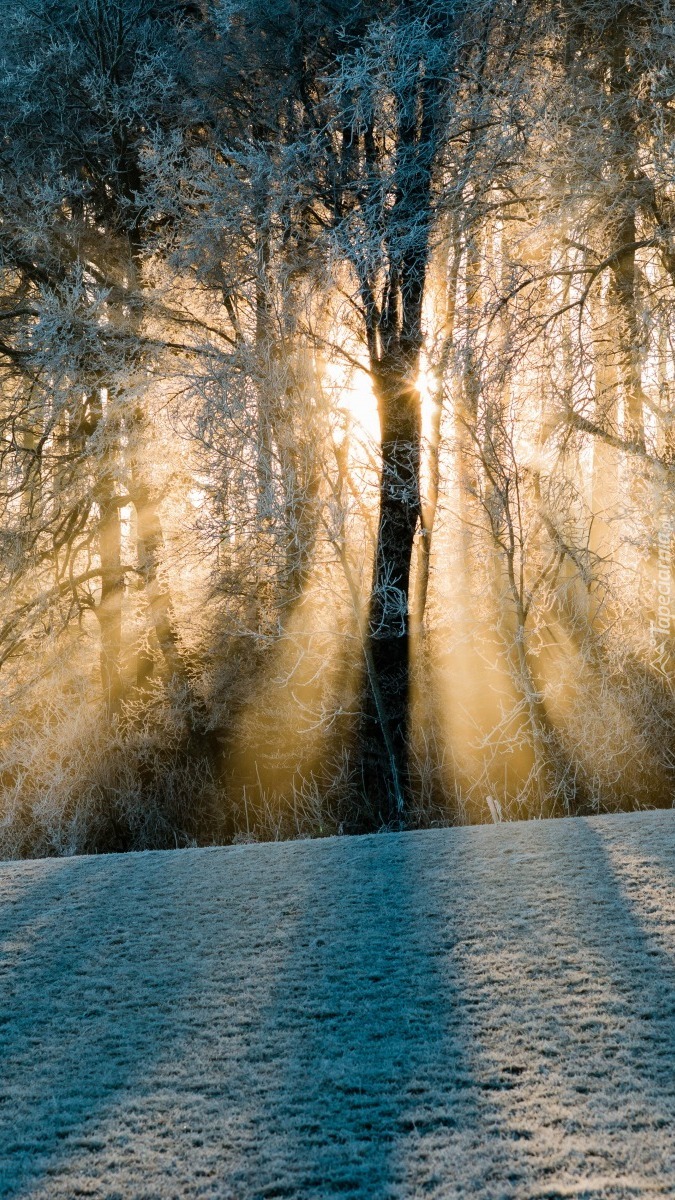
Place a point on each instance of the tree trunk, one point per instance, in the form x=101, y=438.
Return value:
x=605, y=483
x=160, y=605
x=385, y=742
x=392, y=310
x=622, y=230
x=109, y=611
x=448, y=305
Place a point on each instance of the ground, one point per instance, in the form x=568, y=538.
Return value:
x=485, y=1012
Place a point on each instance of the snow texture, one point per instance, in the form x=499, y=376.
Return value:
x=482, y=1013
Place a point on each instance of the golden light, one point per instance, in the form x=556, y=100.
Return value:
x=355, y=397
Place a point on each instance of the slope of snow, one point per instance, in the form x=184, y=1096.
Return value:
x=484, y=1013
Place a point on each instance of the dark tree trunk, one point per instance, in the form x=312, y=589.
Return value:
x=385, y=766
x=394, y=329
x=622, y=232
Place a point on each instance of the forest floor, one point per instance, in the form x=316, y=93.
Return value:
x=485, y=1012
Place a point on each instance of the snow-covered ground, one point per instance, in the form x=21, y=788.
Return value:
x=482, y=1013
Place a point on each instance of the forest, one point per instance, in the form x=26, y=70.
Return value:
x=337, y=416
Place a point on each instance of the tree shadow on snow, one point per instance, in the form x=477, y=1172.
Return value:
x=578, y=997
x=469, y=1016
x=374, y=1093
x=385, y=1016
x=82, y=1008
x=624, y=926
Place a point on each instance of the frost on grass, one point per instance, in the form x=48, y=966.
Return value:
x=482, y=1012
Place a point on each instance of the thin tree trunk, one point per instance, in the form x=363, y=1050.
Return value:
x=150, y=536
x=448, y=302
x=605, y=488
x=109, y=610
x=158, y=595
x=623, y=286
x=88, y=419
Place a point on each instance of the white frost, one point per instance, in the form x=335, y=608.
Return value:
x=482, y=1013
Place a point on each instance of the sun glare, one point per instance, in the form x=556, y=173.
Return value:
x=359, y=401
x=357, y=398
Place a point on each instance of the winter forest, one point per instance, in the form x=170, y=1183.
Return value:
x=337, y=416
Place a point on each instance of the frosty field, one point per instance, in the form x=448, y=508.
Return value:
x=485, y=1012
